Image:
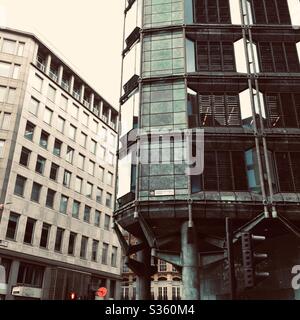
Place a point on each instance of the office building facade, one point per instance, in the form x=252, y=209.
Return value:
x=216, y=81
x=57, y=165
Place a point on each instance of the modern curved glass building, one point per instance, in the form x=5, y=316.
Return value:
x=209, y=128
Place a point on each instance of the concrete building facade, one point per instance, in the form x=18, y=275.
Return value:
x=57, y=166
x=216, y=82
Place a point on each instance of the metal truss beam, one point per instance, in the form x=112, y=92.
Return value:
x=289, y=225
x=148, y=233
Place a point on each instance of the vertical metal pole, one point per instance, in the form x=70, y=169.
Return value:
x=230, y=257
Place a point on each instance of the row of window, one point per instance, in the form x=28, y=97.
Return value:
x=12, y=47
x=36, y=195
x=7, y=94
x=29, y=235
x=220, y=56
x=226, y=109
x=72, y=109
x=60, y=122
x=9, y=70
x=218, y=11
x=239, y=171
x=162, y=293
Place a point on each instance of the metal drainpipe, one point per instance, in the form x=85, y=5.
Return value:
x=253, y=110
x=266, y=157
x=265, y=149
x=119, y=117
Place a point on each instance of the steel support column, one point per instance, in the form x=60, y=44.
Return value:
x=190, y=266
x=143, y=283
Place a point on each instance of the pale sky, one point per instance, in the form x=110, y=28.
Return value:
x=86, y=34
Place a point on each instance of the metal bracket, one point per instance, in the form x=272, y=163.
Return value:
x=208, y=258
x=121, y=238
x=215, y=241
x=150, y=237
x=168, y=256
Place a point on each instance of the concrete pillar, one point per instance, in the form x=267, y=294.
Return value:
x=35, y=52
x=60, y=74
x=71, y=86
x=143, y=282
x=82, y=90
x=92, y=101
x=48, y=63
x=101, y=108
x=12, y=279
x=109, y=115
x=190, y=268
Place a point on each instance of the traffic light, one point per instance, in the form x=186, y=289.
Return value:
x=73, y=296
x=251, y=259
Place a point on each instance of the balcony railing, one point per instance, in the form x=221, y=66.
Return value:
x=40, y=65
x=86, y=103
x=65, y=85
x=53, y=76
x=113, y=125
x=76, y=94
x=103, y=117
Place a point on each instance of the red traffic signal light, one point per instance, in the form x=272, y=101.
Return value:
x=73, y=296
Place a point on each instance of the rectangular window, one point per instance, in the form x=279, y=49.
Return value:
x=271, y=12
x=44, y=139
x=91, y=169
x=25, y=156
x=61, y=124
x=108, y=200
x=45, y=235
x=114, y=253
x=84, y=241
x=5, y=69
x=29, y=131
x=215, y=56
x=109, y=178
x=104, y=134
x=97, y=218
x=74, y=111
x=54, y=171
x=16, y=71
x=75, y=209
x=59, y=239
x=95, y=126
x=104, y=253
x=63, y=204
x=107, y=222
x=72, y=132
x=101, y=173
x=57, y=147
x=162, y=267
x=34, y=106
x=112, y=139
x=93, y=146
x=3, y=94
x=9, y=46
x=72, y=240
x=99, y=195
x=110, y=158
x=63, y=102
x=12, y=226
x=36, y=192
x=50, y=198
x=29, y=231
x=11, y=95
x=40, y=165
x=212, y=11
x=95, y=246
x=20, y=186
x=102, y=152
x=48, y=115
x=70, y=154
x=67, y=178
x=78, y=184
x=21, y=48
x=83, y=138
x=30, y=275
x=81, y=159
x=6, y=121
x=37, y=83
x=85, y=119
x=51, y=93
x=87, y=214
x=2, y=144
x=89, y=190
